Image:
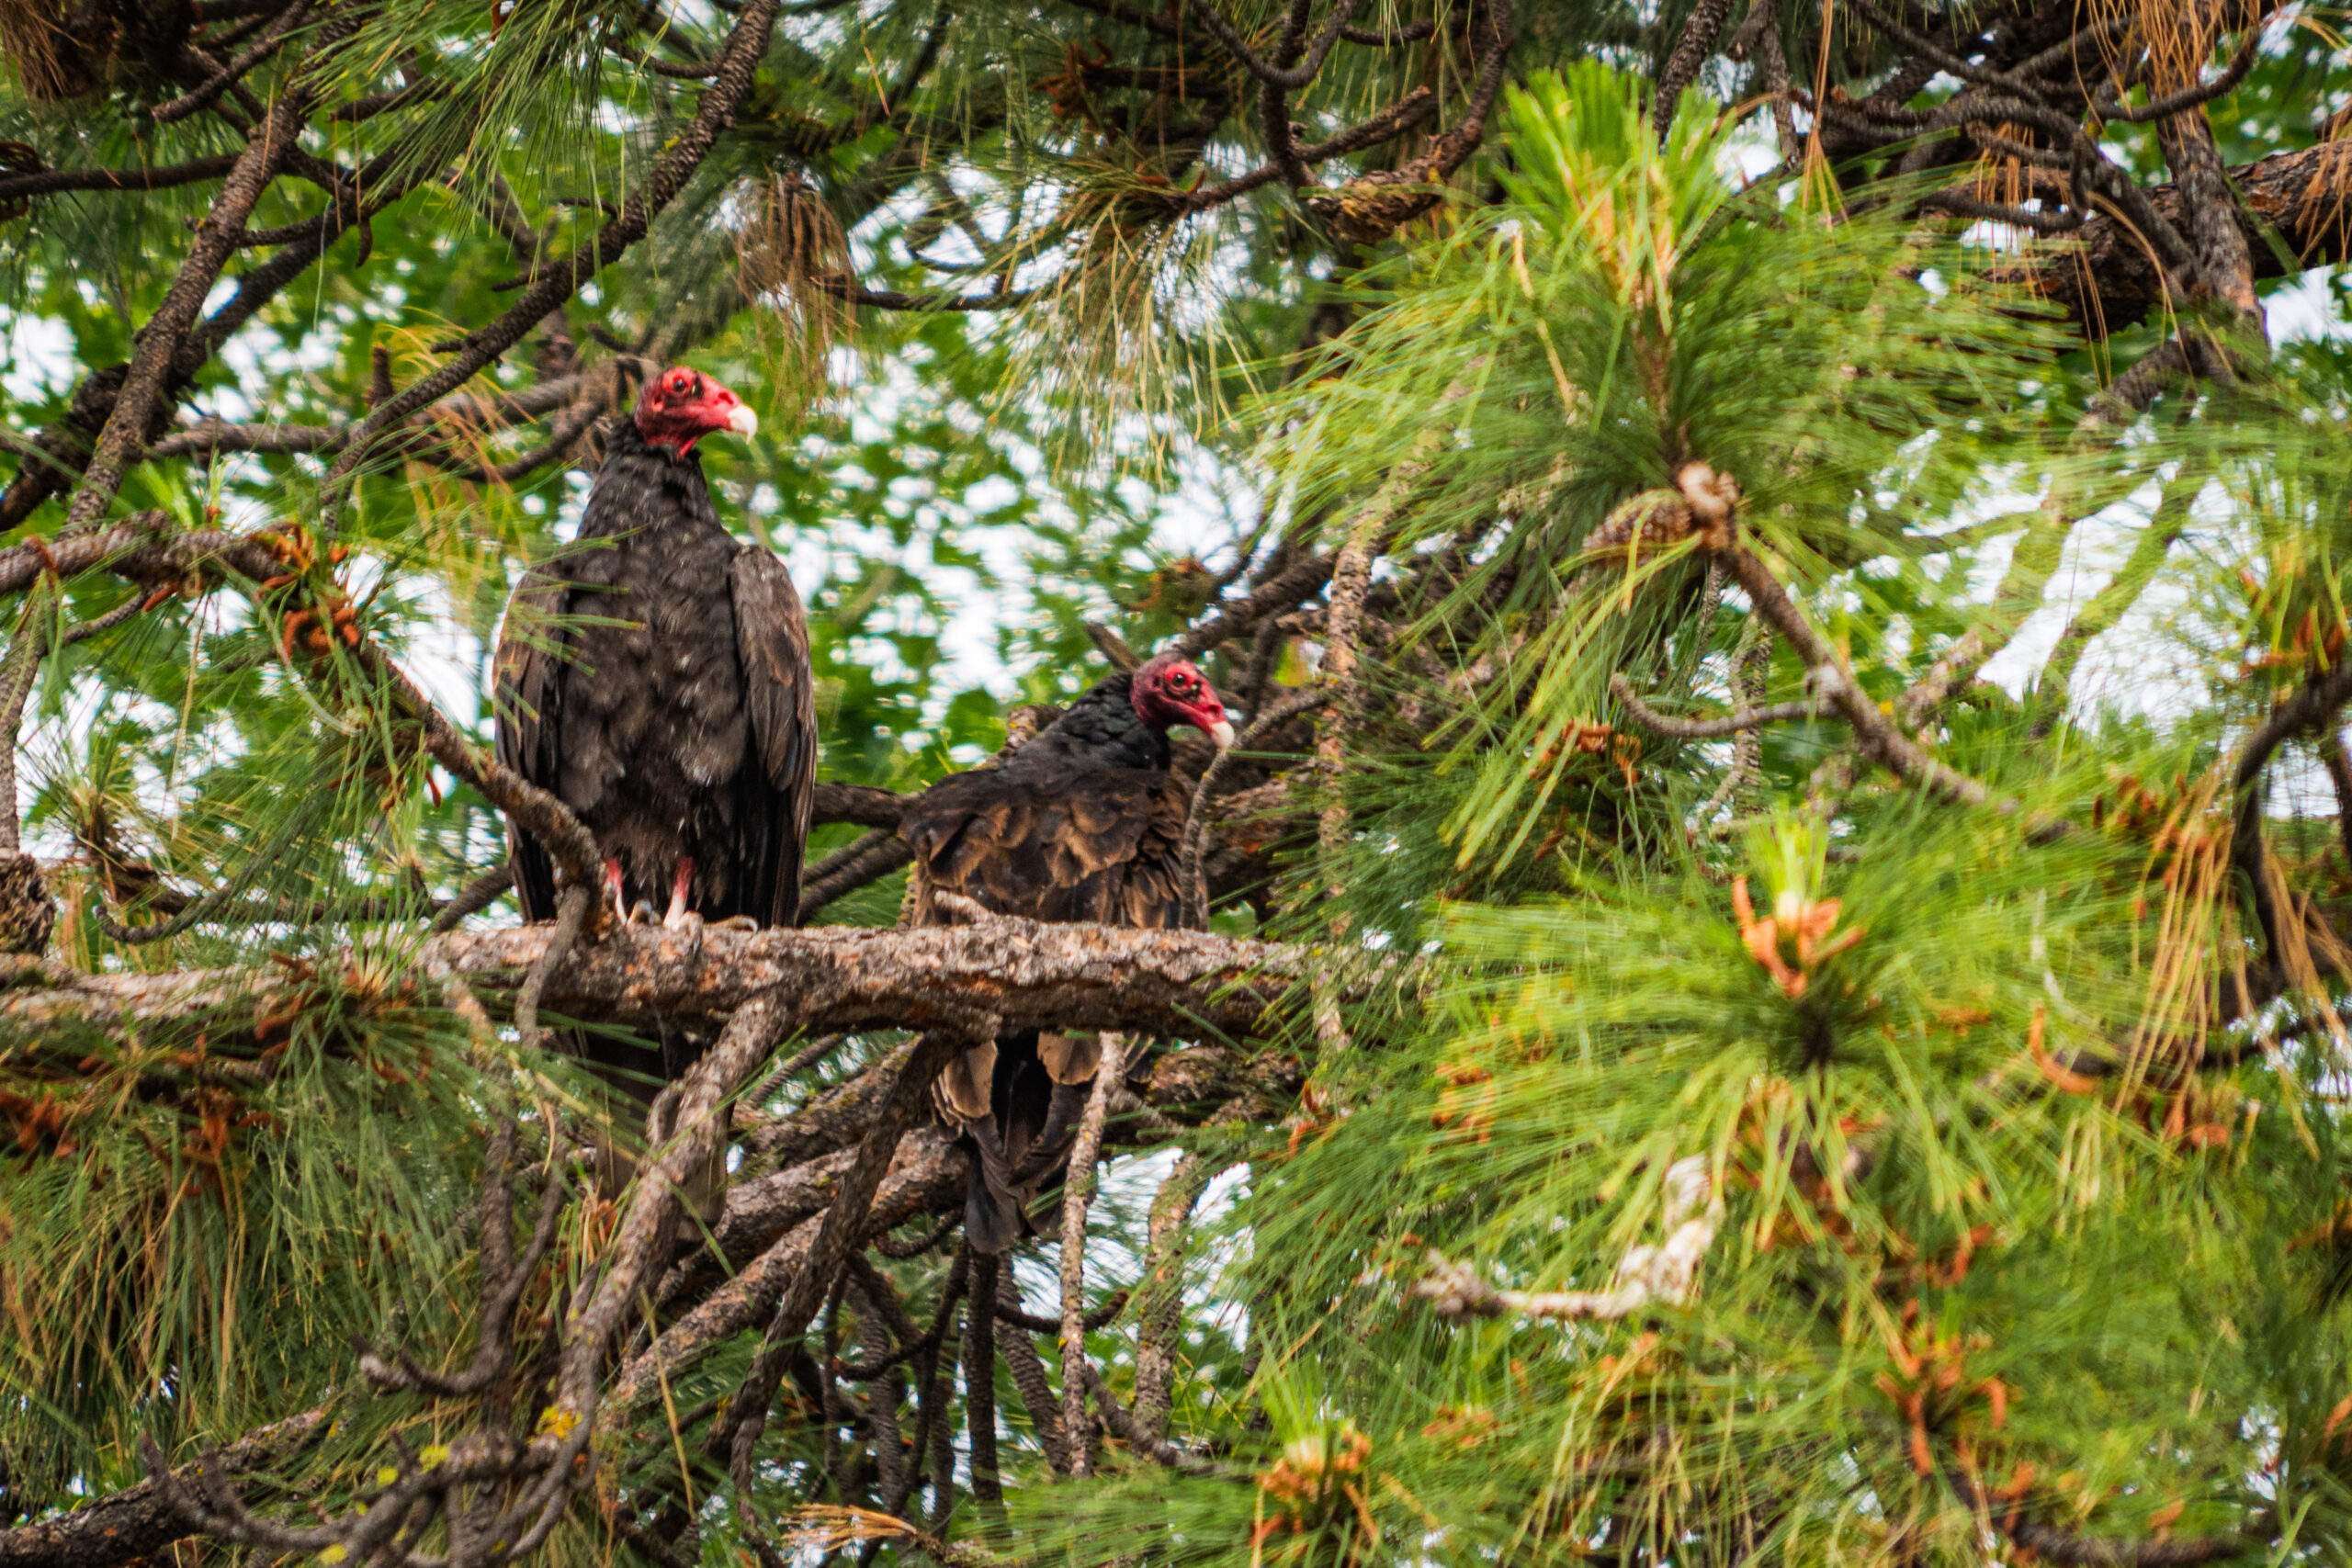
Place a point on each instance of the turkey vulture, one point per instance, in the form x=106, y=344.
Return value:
x=656, y=681
x=1081, y=823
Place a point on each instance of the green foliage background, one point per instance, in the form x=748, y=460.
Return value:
x=2132, y=1284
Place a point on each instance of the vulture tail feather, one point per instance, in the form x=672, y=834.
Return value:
x=991, y=1208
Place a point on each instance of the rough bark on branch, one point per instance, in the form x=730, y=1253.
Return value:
x=926, y=1175
x=138, y=550
x=1032, y=975
x=142, y=1519
x=126, y=429
x=2108, y=276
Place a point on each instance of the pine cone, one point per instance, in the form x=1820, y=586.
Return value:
x=28, y=914
x=1642, y=525
x=1370, y=209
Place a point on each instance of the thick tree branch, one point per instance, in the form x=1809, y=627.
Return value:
x=2107, y=281
x=144, y=1520
x=829, y=978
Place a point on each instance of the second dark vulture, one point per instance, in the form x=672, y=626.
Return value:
x=1082, y=822
x=655, y=678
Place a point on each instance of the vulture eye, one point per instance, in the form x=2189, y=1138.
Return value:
x=681, y=384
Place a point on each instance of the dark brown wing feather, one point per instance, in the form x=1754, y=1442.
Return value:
x=524, y=694
x=1100, y=849
x=1061, y=842
x=780, y=697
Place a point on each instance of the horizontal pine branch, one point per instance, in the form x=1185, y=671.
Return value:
x=1029, y=973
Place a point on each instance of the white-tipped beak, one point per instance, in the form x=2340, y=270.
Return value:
x=742, y=421
x=1222, y=733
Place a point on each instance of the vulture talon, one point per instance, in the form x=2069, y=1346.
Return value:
x=737, y=923
x=640, y=913
x=968, y=912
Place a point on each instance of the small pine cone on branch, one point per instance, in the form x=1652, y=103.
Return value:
x=28, y=914
x=1640, y=525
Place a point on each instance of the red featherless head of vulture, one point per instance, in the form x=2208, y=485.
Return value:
x=681, y=406
x=1171, y=691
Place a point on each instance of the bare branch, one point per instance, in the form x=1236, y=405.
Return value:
x=841, y=1232
x=1649, y=719
x=142, y=1520
x=1393, y=121
x=181, y=107
x=46, y=182
x=855, y=293
x=828, y=979
x=1267, y=72
x=2111, y=108
x=1077, y=1193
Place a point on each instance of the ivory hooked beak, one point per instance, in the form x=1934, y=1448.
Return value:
x=742, y=421
x=1222, y=733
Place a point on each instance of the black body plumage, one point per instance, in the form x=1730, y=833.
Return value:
x=1099, y=730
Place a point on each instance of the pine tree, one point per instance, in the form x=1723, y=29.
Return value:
x=1765, y=976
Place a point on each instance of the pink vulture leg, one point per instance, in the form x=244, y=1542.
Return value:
x=679, y=884
x=613, y=886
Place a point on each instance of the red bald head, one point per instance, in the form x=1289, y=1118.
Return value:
x=680, y=407
x=1169, y=691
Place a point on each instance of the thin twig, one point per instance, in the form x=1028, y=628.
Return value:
x=1078, y=1192
x=1738, y=720
x=570, y=914
x=1194, y=876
